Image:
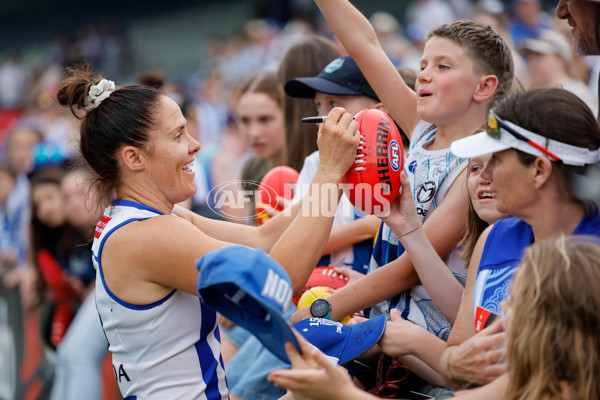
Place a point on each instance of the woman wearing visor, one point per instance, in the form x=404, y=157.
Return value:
x=543, y=143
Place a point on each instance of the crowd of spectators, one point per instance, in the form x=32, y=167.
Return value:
x=34, y=130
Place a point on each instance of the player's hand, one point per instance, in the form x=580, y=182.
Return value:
x=338, y=141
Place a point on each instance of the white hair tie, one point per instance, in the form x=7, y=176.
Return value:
x=98, y=93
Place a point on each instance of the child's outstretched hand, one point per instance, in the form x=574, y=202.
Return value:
x=402, y=214
x=312, y=375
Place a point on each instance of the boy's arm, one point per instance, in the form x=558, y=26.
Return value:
x=444, y=228
x=360, y=41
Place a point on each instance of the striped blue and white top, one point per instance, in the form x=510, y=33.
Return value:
x=431, y=174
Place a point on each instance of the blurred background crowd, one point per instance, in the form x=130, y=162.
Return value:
x=203, y=49
x=200, y=53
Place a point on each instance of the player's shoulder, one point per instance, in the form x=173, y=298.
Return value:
x=161, y=227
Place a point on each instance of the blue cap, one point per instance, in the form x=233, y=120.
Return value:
x=250, y=289
x=340, y=77
x=342, y=342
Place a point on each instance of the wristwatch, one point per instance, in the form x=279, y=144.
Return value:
x=321, y=308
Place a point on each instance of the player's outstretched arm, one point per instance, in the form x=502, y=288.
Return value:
x=302, y=244
x=248, y=235
x=360, y=41
x=264, y=236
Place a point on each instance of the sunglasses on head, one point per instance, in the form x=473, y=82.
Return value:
x=494, y=124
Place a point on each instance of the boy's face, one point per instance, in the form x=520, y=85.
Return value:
x=446, y=83
x=353, y=104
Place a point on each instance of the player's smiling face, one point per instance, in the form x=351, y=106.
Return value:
x=446, y=83
x=170, y=154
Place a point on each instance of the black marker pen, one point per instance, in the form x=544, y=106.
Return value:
x=314, y=120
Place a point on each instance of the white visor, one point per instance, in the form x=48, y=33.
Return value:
x=477, y=145
x=482, y=143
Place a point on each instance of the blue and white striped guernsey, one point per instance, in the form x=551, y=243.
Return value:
x=431, y=174
x=169, y=349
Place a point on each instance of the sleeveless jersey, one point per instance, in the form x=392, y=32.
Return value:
x=169, y=349
x=501, y=256
x=431, y=174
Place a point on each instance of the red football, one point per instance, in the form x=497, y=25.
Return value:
x=373, y=181
x=279, y=181
x=323, y=276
